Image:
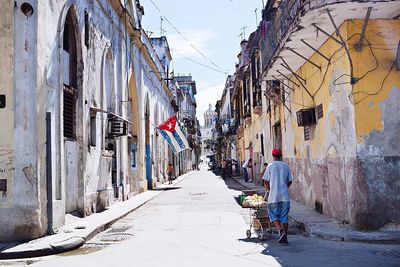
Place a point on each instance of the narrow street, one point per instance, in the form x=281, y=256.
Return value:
x=199, y=223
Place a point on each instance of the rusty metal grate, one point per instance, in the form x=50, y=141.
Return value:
x=117, y=237
x=116, y=234
x=118, y=229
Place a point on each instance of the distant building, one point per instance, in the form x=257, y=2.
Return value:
x=208, y=130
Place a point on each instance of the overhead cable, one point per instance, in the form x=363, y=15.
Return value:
x=183, y=36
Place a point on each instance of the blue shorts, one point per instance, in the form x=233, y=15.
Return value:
x=279, y=211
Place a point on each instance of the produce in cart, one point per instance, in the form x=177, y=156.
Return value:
x=254, y=201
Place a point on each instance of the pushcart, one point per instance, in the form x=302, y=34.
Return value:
x=259, y=221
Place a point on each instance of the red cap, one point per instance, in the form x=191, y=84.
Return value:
x=276, y=151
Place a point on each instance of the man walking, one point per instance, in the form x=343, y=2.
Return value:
x=277, y=179
x=244, y=168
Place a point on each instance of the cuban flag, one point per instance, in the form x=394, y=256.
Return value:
x=174, y=134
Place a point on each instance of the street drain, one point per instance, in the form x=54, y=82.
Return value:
x=115, y=237
x=390, y=254
x=116, y=234
x=118, y=229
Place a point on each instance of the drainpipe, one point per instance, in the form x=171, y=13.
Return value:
x=49, y=178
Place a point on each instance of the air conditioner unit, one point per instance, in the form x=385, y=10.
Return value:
x=117, y=127
x=306, y=117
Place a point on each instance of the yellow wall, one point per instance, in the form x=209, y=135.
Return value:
x=368, y=93
x=320, y=87
x=383, y=35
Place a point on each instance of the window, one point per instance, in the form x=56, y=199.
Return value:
x=93, y=129
x=69, y=112
x=87, y=30
x=70, y=78
x=133, y=153
x=277, y=135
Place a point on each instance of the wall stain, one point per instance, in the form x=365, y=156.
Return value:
x=30, y=174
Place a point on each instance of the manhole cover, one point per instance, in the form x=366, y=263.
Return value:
x=115, y=237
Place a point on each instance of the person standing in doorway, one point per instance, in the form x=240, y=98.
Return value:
x=277, y=179
x=244, y=168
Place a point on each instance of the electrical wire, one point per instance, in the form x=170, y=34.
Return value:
x=371, y=94
x=184, y=37
x=365, y=74
x=201, y=64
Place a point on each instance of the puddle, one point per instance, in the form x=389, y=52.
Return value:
x=85, y=249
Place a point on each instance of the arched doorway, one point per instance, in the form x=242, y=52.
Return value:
x=72, y=111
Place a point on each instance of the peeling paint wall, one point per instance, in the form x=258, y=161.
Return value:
x=349, y=167
x=376, y=102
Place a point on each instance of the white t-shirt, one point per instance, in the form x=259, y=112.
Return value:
x=246, y=163
x=278, y=174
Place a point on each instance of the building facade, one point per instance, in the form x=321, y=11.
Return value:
x=84, y=90
x=323, y=89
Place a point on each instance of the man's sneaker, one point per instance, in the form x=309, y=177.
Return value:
x=283, y=239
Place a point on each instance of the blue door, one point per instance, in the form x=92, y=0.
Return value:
x=148, y=167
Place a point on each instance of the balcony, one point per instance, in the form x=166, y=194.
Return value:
x=299, y=26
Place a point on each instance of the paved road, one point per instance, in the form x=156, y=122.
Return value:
x=199, y=223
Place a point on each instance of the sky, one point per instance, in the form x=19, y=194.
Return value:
x=204, y=31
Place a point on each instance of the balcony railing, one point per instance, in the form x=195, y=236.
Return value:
x=278, y=24
x=275, y=31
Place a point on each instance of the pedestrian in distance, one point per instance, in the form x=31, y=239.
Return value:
x=223, y=168
x=246, y=165
x=170, y=173
x=264, y=168
x=277, y=179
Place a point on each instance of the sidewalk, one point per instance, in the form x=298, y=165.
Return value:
x=77, y=231
x=321, y=226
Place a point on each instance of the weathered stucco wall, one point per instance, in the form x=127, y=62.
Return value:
x=349, y=167
x=376, y=100
x=81, y=177
x=320, y=164
x=22, y=213
x=7, y=116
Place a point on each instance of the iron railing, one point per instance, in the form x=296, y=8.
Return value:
x=274, y=32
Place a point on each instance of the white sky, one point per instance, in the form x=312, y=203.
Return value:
x=213, y=27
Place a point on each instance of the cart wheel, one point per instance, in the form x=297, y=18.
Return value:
x=261, y=236
x=248, y=233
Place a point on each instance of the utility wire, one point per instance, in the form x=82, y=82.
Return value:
x=201, y=64
x=183, y=36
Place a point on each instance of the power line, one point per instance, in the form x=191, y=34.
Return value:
x=183, y=36
x=201, y=64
